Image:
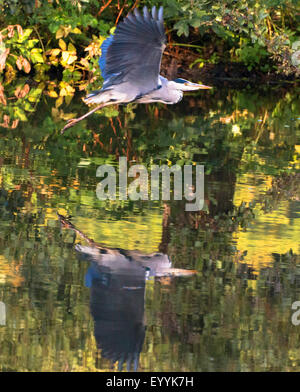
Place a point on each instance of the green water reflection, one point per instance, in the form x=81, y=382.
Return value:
x=235, y=314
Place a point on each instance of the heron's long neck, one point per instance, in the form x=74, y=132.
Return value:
x=174, y=94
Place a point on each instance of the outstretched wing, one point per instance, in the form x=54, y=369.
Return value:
x=134, y=53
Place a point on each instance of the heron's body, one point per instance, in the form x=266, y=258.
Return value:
x=121, y=94
x=130, y=64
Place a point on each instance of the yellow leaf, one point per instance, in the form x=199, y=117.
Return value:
x=10, y=73
x=71, y=48
x=76, y=31
x=62, y=44
x=67, y=116
x=54, y=61
x=68, y=58
x=59, y=33
x=55, y=52
x=53, y=94
x=236, y=129
x=67, y=30
x=72, y=59
x=65, y=89
x=68, y=99
x=20, y=114
x=59, y=102
x=62, y=92
x=65, y=56
x=83, y=86
x=70, y=89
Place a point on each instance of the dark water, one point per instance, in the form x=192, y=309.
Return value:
x=58, y=312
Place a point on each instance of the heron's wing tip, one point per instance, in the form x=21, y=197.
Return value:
x=161, y=14
x=138, y=15
x=155, y=15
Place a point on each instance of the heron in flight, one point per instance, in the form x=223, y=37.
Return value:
x=130, y=64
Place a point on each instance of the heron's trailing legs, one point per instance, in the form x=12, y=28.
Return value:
x=74, y=121
x=68, y=225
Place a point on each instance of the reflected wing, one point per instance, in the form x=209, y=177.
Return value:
x=134, y=54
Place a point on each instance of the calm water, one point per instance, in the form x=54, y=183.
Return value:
x=59, y=313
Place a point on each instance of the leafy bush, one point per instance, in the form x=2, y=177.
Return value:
x=68, y=33
x=254, y=30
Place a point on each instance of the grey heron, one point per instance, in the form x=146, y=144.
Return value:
x=130, y=64
x=117, y=281
x=122, y=261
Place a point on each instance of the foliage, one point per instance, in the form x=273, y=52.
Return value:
x=253, y=31
x=261, y=35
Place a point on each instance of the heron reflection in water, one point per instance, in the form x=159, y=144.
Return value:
x=117, y=279
x=130, y=65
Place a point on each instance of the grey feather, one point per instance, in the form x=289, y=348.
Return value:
x=154, y=13
x=138, y=15
x=160, y=14
x=146, y=13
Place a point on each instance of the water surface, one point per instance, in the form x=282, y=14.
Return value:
x=234, y=315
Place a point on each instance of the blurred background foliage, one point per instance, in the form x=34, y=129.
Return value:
x=66, y=35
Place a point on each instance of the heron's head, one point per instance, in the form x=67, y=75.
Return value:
x=185, y=85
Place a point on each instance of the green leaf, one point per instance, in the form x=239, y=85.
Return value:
x=25, y=35
x=19, y=113
x=182, y=27
x=36, y=55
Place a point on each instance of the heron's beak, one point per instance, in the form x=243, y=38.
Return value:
x=189, y=86
x=203, y=87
